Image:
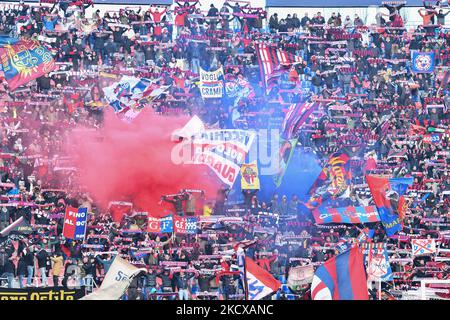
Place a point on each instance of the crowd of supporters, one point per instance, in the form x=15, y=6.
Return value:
x=372, y=105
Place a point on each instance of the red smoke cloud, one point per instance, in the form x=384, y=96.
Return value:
x=132, y=162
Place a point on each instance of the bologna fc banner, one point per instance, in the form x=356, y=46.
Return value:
x=249, y=176
x=422, y=62
x=332, y=182
x=75, y=223
x=54, y=293
x=177, y=224
x=23, y=60
x=211, y=83
x=377, y=262
x=349, y=214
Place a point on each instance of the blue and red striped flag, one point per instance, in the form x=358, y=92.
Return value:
x=272, y=61
x=349, y=214
x=387, y=193
x=343, y=277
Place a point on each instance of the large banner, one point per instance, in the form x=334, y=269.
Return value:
x=342, y=277
x=224, y=151
x=349, y=214
x=387, y=193
x=75, y=223
x=211, y=83
x=184, y=225
x=54, y=293
x=116, y=281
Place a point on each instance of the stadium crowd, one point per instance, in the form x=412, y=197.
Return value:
x=372, y=106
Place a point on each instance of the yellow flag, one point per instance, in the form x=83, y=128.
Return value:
x=249, y=176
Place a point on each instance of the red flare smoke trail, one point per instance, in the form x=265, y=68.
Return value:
x=132, y=162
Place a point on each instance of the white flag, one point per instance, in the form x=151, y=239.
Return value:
x=116, y=281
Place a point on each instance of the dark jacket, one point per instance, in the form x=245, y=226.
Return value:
x=22, y=267
x=29, y=259
x=42, y=258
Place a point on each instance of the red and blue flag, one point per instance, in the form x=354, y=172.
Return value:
x=343, y=277
x=75, y=223
x=23, y=60
x=387, y=193
x=259, y=283
x=350, y=214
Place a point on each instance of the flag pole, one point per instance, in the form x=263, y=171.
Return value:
x=379, y=290
x=245, y=278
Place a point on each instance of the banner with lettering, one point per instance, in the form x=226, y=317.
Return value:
x=223, y=151
x=75, y=223
x=54, y=293
x=177, y=224
x=154, y=225
x=348, y=214
x=249, y=176
x=211, y=83
x=116, y=281
x=184, y=225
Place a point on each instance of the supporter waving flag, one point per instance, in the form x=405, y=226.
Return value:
x=388, y=194
x=341, y=278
